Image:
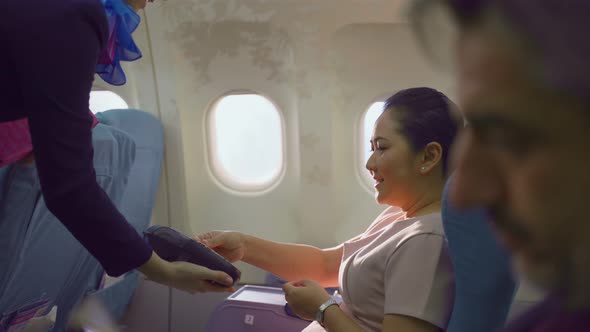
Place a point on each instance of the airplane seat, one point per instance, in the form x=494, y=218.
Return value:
x=18, y=187
x=254, y=308
x=258, y=308
x=128, y=156
x=45, y=264
x=144, y=178
x=484, y=284
x=140, y=195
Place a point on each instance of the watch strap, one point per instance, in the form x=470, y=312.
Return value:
x=322, y=309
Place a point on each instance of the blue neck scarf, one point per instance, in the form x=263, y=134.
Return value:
x=122, y=21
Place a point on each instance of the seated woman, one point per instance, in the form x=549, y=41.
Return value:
x=397, y=275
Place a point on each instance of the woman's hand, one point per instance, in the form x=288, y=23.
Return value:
x=185, y=276
x=305, y=297
x=230, y=245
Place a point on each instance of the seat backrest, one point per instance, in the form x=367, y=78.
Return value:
x=141, y=190
x=143, y=181
x=484, y=284
x=39, y=245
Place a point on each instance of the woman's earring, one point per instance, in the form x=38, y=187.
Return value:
x=423, y=168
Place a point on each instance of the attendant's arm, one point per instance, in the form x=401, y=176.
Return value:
x=56, y=57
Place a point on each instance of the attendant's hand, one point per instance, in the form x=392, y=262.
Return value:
x=231, y=245
x=305, y=297
x=185, y=276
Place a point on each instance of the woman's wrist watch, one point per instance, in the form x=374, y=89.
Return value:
x=319, y=316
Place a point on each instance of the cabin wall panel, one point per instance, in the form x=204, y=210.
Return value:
x=321, y=64
x=322, y=74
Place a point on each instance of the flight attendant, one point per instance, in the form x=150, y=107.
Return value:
x=50, y=53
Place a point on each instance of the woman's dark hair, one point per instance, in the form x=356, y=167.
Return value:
x=425, y=116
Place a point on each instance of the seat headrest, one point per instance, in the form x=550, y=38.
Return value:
x=484, y=284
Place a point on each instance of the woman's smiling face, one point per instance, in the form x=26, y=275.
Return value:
x=392, y=163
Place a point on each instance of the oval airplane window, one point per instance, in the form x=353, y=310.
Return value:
x=367, y=125
x=101, y=101
x=246, y=142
